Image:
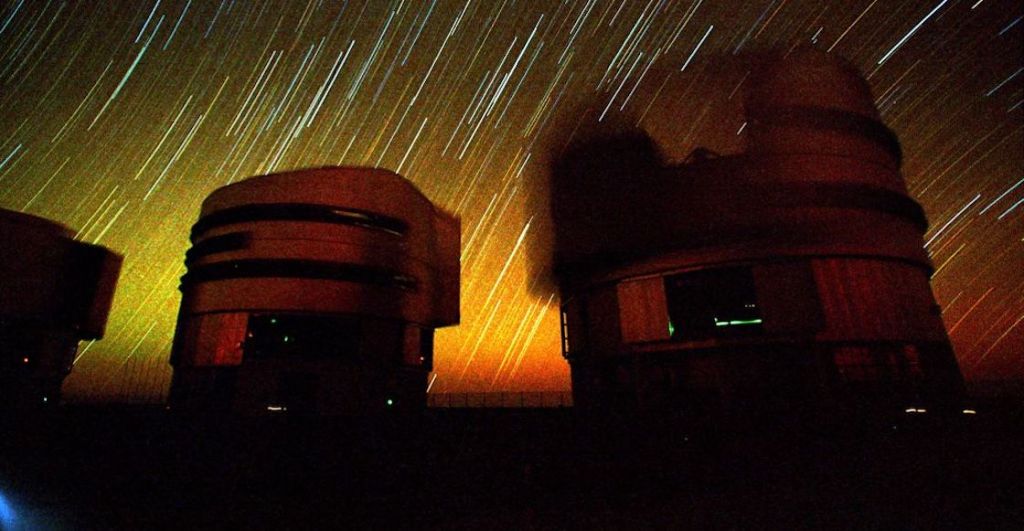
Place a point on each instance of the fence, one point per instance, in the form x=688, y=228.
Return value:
x=525, y=399
x=138, y=381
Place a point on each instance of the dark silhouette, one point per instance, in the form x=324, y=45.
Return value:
x=54, y=292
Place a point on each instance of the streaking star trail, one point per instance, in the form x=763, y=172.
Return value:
x=119, y=117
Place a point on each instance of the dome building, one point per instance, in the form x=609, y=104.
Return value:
x=55, y=292
x=790, y=276
x=315, y=292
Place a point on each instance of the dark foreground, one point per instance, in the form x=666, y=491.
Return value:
x=116, y=468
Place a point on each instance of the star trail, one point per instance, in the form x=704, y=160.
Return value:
x=119, y=117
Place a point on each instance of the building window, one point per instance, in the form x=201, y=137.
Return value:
x=712, y=303
x=298, y=336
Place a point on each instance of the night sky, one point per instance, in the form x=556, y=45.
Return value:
x=118, y=118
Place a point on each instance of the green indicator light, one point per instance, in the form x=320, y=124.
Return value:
x=391, y=402
x=739, y=322
x=671, y=329
x=287, y=339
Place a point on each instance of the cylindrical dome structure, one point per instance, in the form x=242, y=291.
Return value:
x=55, y=292
x=314, y=291
x=790, y=276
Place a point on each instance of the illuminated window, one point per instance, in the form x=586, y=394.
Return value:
x=712, y=303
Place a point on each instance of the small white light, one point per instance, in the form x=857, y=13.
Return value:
x=276, y=408
x=970, y=412
x=46, y=399
x=391, y=402
x=911, y=410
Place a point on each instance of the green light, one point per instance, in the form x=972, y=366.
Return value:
x=273, y=321
x=391, y=402
x=671, y=328
x=287, y=339
x=738, y=322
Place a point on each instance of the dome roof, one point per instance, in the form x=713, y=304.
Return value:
x=809, y=77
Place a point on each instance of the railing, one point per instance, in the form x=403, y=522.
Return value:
x=524, y=399
x=139, y=381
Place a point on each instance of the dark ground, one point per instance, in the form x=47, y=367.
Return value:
x=123, y=468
